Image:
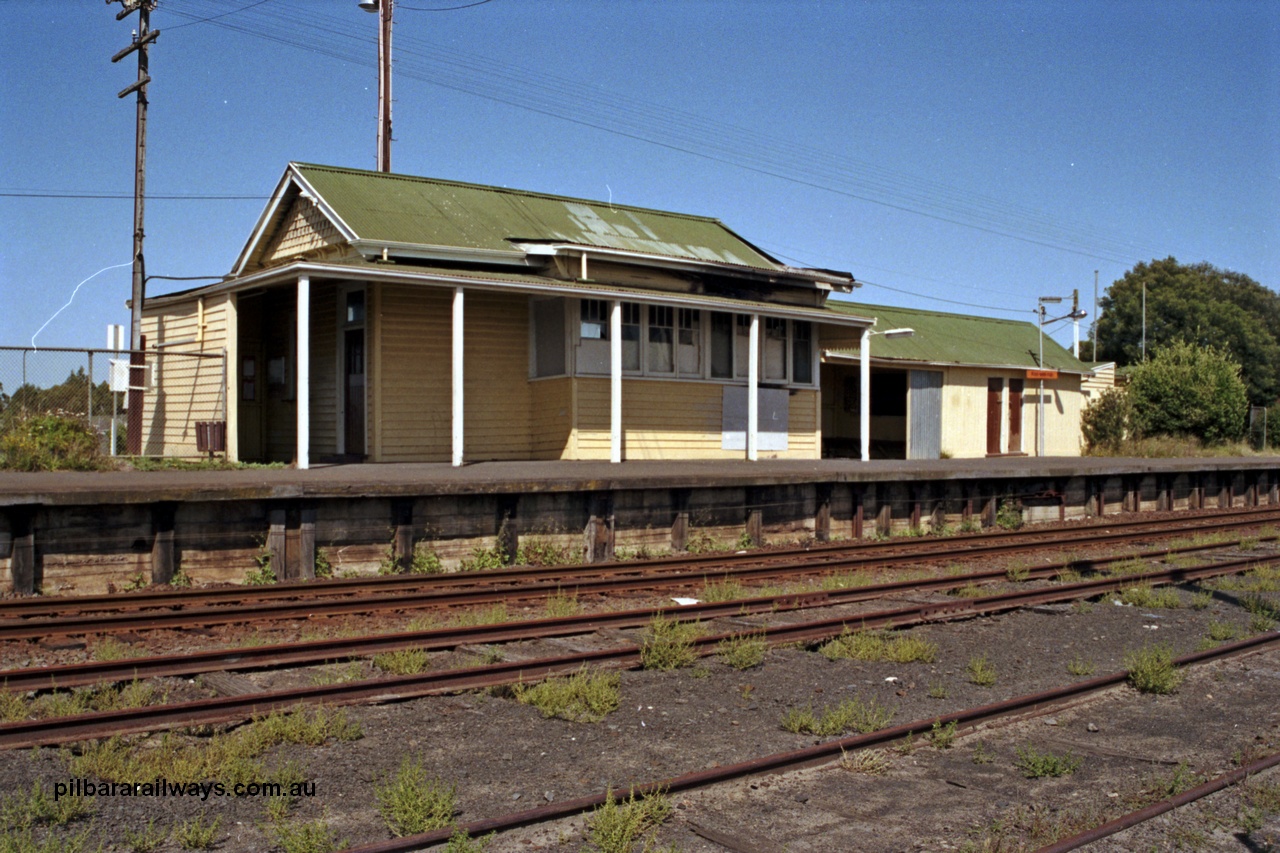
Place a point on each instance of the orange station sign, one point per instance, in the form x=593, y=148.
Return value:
x=1042, y=374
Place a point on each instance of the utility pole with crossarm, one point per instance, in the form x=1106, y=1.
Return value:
x=142, y=38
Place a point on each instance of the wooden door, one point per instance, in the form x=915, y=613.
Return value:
x=353, y=391
x=1015, y=415
x=995, y=390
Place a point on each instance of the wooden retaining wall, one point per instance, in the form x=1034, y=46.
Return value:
x=55, y=548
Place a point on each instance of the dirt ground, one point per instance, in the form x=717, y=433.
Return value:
x=504, y=756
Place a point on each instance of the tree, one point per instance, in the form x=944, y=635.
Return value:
x=1188, y=390
x=1199, y=305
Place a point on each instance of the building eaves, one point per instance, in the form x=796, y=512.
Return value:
x=507, y=282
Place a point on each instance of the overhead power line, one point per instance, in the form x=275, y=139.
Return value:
x=657, y=124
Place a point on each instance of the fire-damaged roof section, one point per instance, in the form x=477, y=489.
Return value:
x=428, y=217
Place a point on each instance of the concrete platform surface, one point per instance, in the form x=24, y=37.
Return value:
x=421, y=479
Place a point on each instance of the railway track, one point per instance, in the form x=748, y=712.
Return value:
x=237, y=708
x=31, y=618
x=1039, y=703
x=346, y=648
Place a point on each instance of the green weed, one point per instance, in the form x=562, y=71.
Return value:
x=981, y=671
x=1035, y=764
x=667, y=644
x=883, y=646
x=583, y=697
x=743, y=651
x=1151, y=669
x=617, y=826
x=403, y=661
x=195, y=834
x=410, y=803
x=851, y=715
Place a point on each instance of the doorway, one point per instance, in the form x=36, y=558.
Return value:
x=354, y=363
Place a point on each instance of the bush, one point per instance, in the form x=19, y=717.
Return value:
x=1189, y=390
x=1105, y=422
x=50, y=443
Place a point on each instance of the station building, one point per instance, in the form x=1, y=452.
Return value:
x=393, y=318
x=952, y=385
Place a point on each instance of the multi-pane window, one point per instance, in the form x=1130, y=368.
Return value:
x=661, y=339
x=630, y=336
x=595, y=320
x=801, y=352
x=775, y=349
x=689, y=342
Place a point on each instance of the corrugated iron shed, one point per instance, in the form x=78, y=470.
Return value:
x=958, y=339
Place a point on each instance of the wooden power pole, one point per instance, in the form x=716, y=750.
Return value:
x=142, y=38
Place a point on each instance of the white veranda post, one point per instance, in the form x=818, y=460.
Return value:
x=303, y=373
x=753, y=392
x=615, y=381
x=864, y=394
x=458, y=349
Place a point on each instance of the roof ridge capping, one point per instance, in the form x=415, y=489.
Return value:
x=403, y=176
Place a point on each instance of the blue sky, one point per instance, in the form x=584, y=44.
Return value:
x=957, y=156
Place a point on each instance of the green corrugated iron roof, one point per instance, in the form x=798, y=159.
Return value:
x=942, y=338
x=394, y=208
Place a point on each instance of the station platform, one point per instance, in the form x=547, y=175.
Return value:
x=387, y=480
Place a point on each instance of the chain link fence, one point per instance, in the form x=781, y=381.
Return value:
x=182, y=395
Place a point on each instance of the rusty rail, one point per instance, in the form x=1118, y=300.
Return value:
x=620, y=581
x=1142, y=815
x=346, y=648
x=1035, y=702
x=686, y=566
x=232, y=709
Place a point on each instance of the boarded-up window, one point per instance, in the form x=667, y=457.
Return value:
x=548, y=337
x=772, y=415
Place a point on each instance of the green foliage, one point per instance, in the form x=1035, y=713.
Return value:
x=743, y=651
x=23, y=810
x=1198, y=305
x=195, y=834
x=460, y=842
x=411, y=803
x=668, y=644
x=148, y=839
x=884, y=646
x=263, y=574
x=616, y=826
x=1151, y=669
x=323, y=568
x=483, y=559
x=403, y=661
x=1009, y=515
x=851, y=715
x=1105, y=421
x=942, y=737
x=583, y=697
x=50, y=442
x=311, y=837
x=981, y=671
x=1187, y=389
x=1035, y=764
